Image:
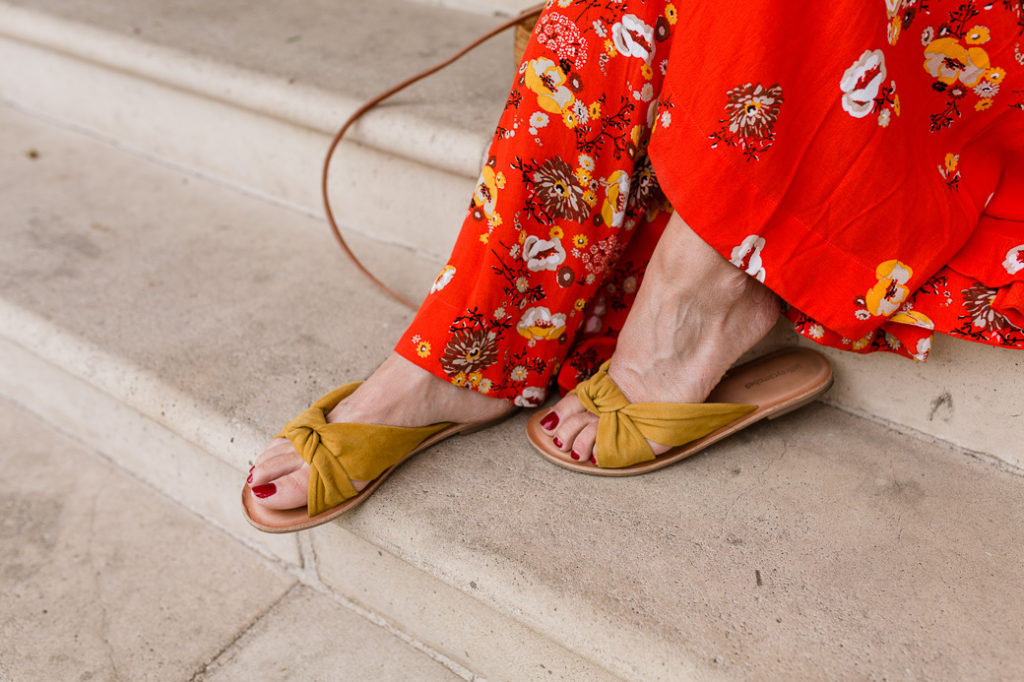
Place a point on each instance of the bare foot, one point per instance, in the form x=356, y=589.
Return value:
x=398, y=394
x=694, y=316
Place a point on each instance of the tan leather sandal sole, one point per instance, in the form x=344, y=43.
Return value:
x=776, y=384
x=292, y=520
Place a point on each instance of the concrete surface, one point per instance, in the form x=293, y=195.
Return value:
x=820, y=542
x=306, y=636
x=104, y=578
x=251, y=93
x=817, y=546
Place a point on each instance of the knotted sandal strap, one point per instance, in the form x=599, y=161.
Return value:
x=341, y=453
x=623, y=428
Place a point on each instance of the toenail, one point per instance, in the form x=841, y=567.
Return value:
x=574, y=455
x=249, y=480
x=550, y=421
x=557, y=442
x=593, y=459
x=265, y=490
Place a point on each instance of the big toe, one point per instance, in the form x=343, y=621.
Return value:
x=280, y=477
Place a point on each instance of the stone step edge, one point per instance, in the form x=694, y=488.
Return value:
x=454, y=622
x=432, y=144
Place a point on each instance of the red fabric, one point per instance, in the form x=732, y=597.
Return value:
x=864, y=162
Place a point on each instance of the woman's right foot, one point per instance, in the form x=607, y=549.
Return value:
x=398, y=393
x=694, y=316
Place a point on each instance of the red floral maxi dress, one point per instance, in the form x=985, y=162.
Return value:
x=862, y=159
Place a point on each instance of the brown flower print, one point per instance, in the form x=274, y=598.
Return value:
x=752, y=112
x=470, y=350
x=978, y=304
x=556, y=189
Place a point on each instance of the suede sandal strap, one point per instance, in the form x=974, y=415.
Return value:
x=341, y=453
x=623, y=428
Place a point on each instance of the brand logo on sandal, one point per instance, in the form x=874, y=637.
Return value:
x=774, y=375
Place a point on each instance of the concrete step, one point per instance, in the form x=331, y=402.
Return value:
x=251, y=93
x=105, y=579
x=175, y=324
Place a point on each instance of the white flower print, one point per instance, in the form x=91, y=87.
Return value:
x=924, y=346
x=543, y=254
x=747, y=256
x=860, y=83
x=884, y=117
x=666, y=119
x=532, y=396
x=518, y=373
x=599, y=29
x=539, y=119
x=633, y=38
x=443, y=278
x=927, y=36
x=1014, y=261
x=815, y=331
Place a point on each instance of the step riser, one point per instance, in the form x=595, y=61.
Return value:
x=393, y=199
x=965, y=393
x=430, y=610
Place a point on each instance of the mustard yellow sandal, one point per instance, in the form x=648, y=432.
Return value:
x=339, y=454
x=769, y=386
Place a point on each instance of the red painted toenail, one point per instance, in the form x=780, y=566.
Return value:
x=574, y=455
x=249, y=480
x=557, y=442
x=593, y=459
x=550, y=421
x=265, y=490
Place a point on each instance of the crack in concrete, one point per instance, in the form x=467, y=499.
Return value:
x=198, y=675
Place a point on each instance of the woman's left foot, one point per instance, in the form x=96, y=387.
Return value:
x=694, y=316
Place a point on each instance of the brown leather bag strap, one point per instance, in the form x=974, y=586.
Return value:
x=527, y=14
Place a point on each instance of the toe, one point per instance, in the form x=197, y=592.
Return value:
x=563, y=409
x=279, y=478
x=566, y=437
x=583, y=446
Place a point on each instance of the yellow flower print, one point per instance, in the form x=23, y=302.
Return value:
x=947, y=60
x=522, y=236
x=580, y=241
x=952, y=161
x=499, y=180
x=635, y=134
x=888, y=294
x=609, y=48
x=863, y=342
x=475, y=378
x=580, y=304
x=459, y=379
x=895, y=26
x=616, y=193
x=914, y=318
x=595, y=110
x=540, y=324
x=590, y=196
x=995, y=75
x=484, y=386
x=569, y=119
x=670, y=13
x=485, y=237
x=582, y=176
x=647, y=72
x=556, y=232
x=979, y=35
x=423, y=349
x=983, y=104
x=547, y=80
x=896, y=106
